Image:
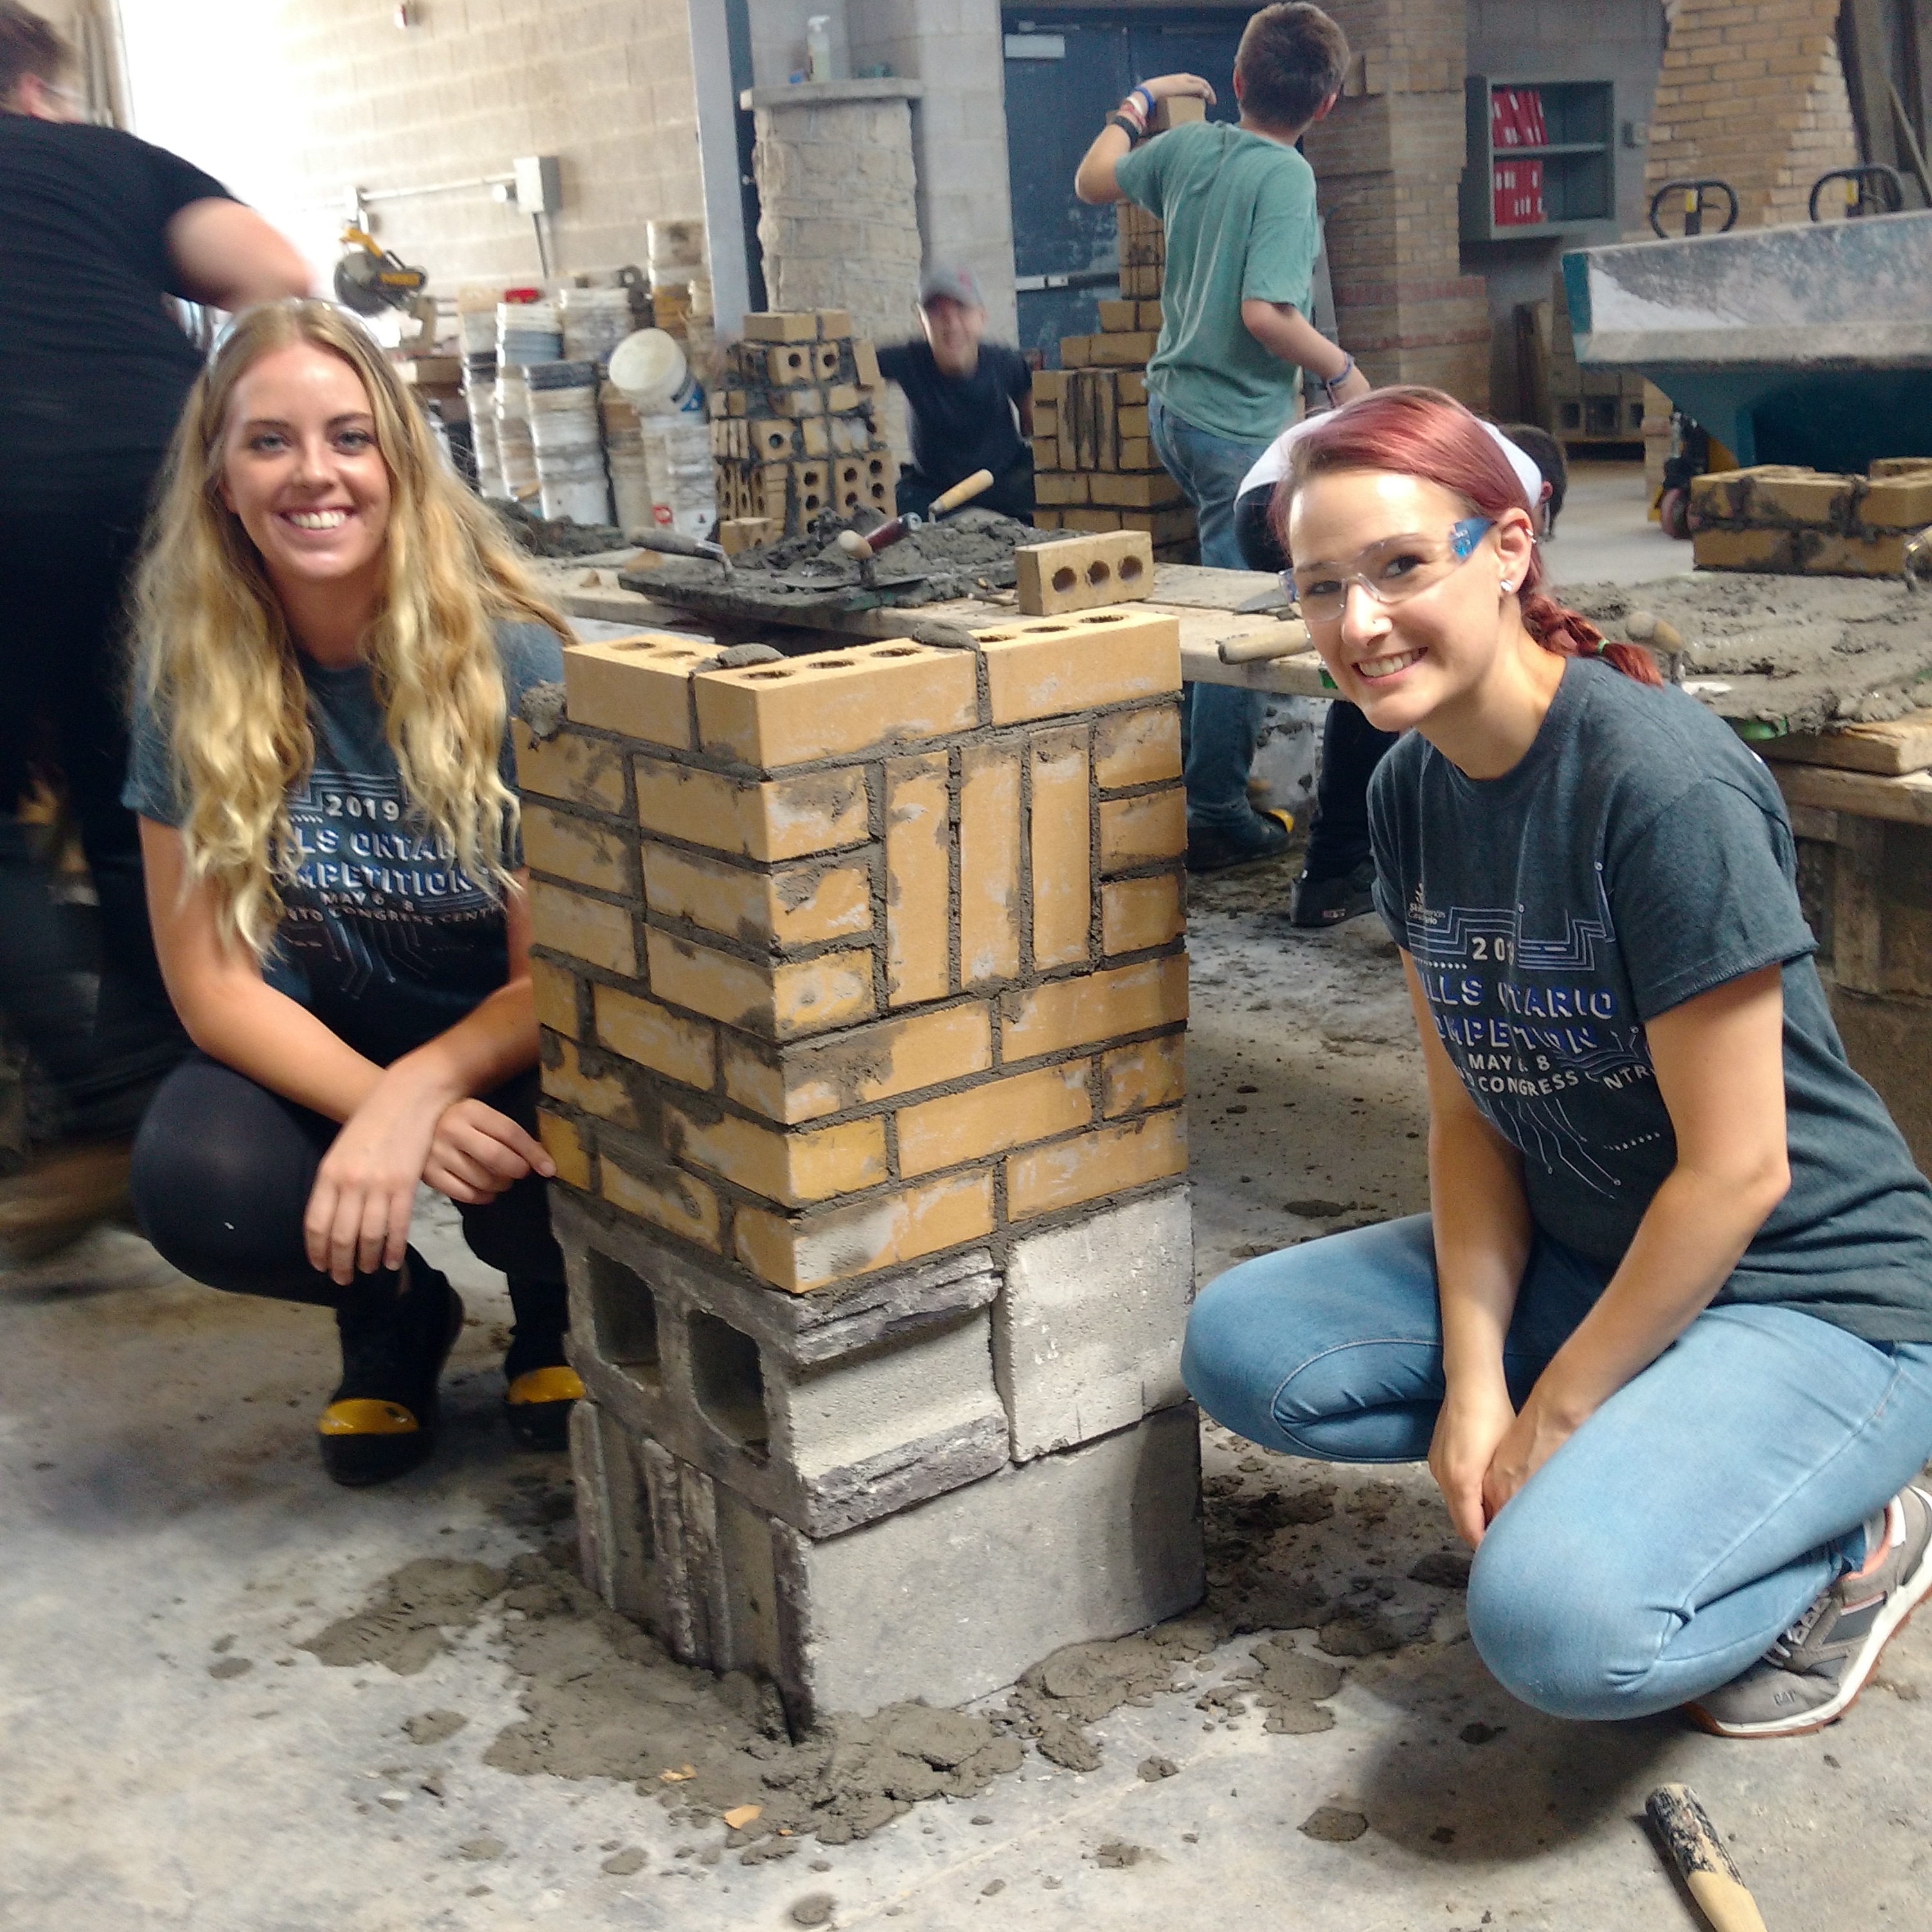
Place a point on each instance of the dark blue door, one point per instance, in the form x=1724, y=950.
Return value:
x=1065, y=70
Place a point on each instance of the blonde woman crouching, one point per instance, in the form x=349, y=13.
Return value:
x=332, y=634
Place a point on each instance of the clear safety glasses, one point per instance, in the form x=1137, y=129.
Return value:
x=1390, y=572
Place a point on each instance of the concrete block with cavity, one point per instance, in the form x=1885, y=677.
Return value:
x=1081, y=573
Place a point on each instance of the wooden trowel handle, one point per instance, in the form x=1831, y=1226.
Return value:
x=980, y=481
x=1272, y=641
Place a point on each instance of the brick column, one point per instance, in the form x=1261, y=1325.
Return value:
x=862, y=984
x=1388, y=161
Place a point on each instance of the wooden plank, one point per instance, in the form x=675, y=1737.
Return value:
x=1195, y=587
x=1899, y=745
x=1905, y=800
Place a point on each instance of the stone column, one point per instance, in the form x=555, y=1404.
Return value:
x=863, y=983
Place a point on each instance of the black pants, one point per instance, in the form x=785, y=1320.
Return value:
x=83, y=993
x=1351, y=747
x=1011, y=495
x=223, y=1171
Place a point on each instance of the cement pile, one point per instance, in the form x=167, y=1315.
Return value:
x=556, y=536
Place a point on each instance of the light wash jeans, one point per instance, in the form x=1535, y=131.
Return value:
x=1659, y=1552
x=1223, y=722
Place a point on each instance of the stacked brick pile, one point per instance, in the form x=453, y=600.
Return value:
x=1590, y=405
x=793, y=430
x=1093, y=467
x=1779, y=517
x=862, y=987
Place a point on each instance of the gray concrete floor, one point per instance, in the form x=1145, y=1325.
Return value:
x=174, y=1763
x=1603, y=535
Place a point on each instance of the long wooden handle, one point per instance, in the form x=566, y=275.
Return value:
x=1271, y=640
x=961, y=493
x=1699, y=1853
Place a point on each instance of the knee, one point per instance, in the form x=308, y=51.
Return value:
x=1218, y=1351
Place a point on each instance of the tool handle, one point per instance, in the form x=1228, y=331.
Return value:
x=672, y=543
x=974, y=485
x=1272, y=641
x=1646, y=628
x=1699, y=1853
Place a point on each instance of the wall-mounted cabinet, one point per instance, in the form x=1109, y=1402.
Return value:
x=1541, y=159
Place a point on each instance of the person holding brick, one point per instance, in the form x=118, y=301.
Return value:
x=1665, y=1338
x=970, y=401
x=1238, y=206
x=333, y=634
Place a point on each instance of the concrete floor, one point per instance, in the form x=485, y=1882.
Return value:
x=1603, y=535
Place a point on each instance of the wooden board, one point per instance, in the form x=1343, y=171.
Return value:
x=1899, y=745
x=1906, y=800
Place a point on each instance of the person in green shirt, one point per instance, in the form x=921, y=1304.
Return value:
x=1238, y=206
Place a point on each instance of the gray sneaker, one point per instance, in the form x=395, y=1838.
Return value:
x=1814, y=1673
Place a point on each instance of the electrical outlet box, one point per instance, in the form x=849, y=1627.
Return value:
x=538, y=187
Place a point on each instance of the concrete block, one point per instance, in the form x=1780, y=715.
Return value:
x=1049, y=667
x=1086, y=1334
x=1082, y=573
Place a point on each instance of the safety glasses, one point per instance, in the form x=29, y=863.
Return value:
x=1391, y=571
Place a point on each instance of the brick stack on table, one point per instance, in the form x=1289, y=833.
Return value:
x=1781, y=517
x=793, y=428
x=863, y=985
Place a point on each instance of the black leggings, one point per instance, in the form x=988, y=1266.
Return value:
x=222, y=1174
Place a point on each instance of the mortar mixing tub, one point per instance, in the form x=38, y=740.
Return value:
x=1806, y=345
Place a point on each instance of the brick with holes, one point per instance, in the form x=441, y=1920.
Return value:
x=1083, y=573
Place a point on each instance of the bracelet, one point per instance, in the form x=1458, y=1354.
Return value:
x=1141, y=88
x=1127, y=125
x=1332, y=383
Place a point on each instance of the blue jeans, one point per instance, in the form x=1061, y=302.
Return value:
x=1662, y=1550
x=1223, y=720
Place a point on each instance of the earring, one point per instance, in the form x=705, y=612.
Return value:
x=1507, y=586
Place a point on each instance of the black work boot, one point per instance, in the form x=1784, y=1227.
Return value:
x=542, y=1385
x=382, y=1420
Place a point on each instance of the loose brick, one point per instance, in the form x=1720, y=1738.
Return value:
x=1084, y=572
x=1142, y=831
x=640, y=685
x=1046, y=667
x=668, y=1043
x=780, y=325
x=1137, y=747
x=793, y=1167
x=586, y=771
x=919, y=842
x=835, y=703
x=800, y=905
x=802, y=1252
x=779, y=818
x=565, y=1145
x=1898, y=502
x=1136, y=913
x=780, y=1000
x=664, y=1196
x=603, y=1094
x=989, y=865
x=1104, y=1161
x=879, y=1062
x=991, y=1119
x=1062, y=864
x=577, y=849
x=865, y=361
x=554, y=994
x=587, y=929
x=1150, y=1073
x=1094, y=1007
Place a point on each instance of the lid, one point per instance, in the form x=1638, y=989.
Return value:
x=648, y=364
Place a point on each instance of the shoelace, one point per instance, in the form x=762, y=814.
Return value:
x=1795, y=1634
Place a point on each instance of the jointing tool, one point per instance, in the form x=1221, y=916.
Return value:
x=1709, y=1872
x=1645, y=627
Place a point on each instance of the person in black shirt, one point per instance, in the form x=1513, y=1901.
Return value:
x=99, y=227
x=962, y=395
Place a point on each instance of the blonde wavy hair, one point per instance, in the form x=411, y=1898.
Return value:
x=214, y=659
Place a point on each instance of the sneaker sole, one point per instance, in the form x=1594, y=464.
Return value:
x=1897, y=1614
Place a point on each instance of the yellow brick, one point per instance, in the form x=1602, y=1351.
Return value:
x=1134, y=348
x=603, y=1094
x=1137, y=453
x=790, y=1167
x=1076, y=352
x=1824, y=500
x=682, y=1049
x=833, y=323
x=798, y=402
x=668, y=1198
x=1882, y=468
x=1080, y=573
x=1045, y=667
x=1131, y=424
x=639, y=685
x=1799, y=553
x=1096, y=1007
x=919, y=844
x=865, y=361
x=1089, y=520
x=1130, y=387
x=780, y=1000
x=1148, y=316
x=802, y=1252
x=553, y=993
x=780, y=325
x=1061, y=857
x=1142, y=831
x=780, y=818
x=1101, y=1163
x=798, y=906
x=871, y=1063
x=1143, y=491
x=773, y=440
x=1898, y=503
x=1057, y=487
x=585, y=928
x=587, y=771
x=1137, y=747
x=1136, y=913
x=788, y=363
x=1047, y=386
x=1002, y=1114
x=576, y=849
x=835, y=703
x=989, y=865
x=1151, y=1073
x=565, y=1146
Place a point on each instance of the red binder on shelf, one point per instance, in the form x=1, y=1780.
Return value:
x=1517, y=194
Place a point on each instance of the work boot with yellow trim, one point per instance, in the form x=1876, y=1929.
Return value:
x=542, y=1385
x=382, y=1420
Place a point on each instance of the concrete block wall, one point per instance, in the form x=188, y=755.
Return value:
x=862, y=988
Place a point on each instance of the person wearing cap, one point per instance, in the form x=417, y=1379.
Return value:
x=969, y=401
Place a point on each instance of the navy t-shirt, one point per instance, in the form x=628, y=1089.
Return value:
x=1636, y=855
x=386, y=941
x=960, y=423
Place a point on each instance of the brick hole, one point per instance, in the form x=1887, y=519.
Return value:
x=1063, y=578
x=1107, y=617
x=1130, y=568
x=765, y=676
x=1097, y=572
x=624, y=1320
x=727, y=1380
x=899, y=651
x=813, y=501
x=996, y=637
x=1043, y=630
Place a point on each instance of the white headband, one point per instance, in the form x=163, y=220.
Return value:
x=1273, y=464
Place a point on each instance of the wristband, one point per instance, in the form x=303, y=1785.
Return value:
x=1332, y=383
x=1147, y=111
x=1127, y=125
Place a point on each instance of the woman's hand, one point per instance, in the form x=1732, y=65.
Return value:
x=477, y=1152
x=1167, y=86
x=1472, y=1421
x=1535, y=1436
x=358, y=1217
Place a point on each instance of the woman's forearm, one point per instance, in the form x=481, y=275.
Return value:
x=278, y=1043
x=487, y=1046
x=1482, y=1230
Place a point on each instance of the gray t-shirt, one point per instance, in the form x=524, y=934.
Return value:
x=1639, y=855
x=385, y=940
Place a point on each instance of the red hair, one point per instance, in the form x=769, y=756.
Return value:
x=1418, y=432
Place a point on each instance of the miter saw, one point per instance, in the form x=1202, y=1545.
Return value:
x=369, y=279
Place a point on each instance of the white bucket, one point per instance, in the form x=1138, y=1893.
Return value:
x=650, y=369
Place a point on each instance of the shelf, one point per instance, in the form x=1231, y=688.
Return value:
x=1575, y=166
x=1553, y=147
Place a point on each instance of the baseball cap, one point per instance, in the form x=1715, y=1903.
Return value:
x=948, y=282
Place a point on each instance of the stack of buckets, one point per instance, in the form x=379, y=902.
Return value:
x=673, y=437
x=476, y=314
x=527, y=333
